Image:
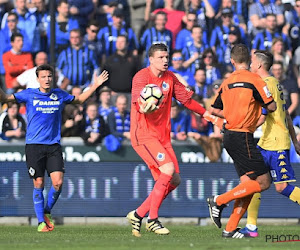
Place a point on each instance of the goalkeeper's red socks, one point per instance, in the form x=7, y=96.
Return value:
x=144, y=208
x=158, y=194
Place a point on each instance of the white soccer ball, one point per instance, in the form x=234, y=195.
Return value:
x=151, y=93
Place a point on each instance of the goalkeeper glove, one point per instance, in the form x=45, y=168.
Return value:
x=147, y=107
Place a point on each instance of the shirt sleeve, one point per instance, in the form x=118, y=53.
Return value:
x=262, y=93
x=181, y=92
x=22, y=96
x=140, y=80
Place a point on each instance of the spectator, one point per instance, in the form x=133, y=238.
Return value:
x=257, y=14
x=108, y=35
x=28, y=78
x=237, y=18
x=77, y=62
x=63, y=25
x=296, y=66
x=184, y=37
x=43, y=18
x=157, y=33
x=200, y=88
x=219, y=36
x=137, y=14
x=177, y=67
x=192, y=53
x=263, y=40
x=27, y=22
x=103, y=12
x=280, y=54
x=290, y=88
x=15, y=62
x=91, y=41
x=72, y=117
x=203, y=10
x=94, y=127
x=203, y=133
x=105, y=106
x=174, y=19
x=5, y=35
x=223, y=53
x=292, y=27
x=9, y=29
x=122, y=66
x=12, y=124
x=5, y=6
x=179, y=122
x=210, y=65
x=119, y=119
x=80, y=10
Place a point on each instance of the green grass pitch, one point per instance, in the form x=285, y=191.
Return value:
x=119, y=237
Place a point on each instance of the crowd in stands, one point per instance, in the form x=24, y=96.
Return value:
x=93, y=35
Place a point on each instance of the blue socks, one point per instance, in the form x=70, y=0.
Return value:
x=52, y=198
x=38, y=201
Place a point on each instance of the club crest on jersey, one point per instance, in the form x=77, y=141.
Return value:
x=165, y=86
x=160, y=156
x=53, y=97
x=31, y=171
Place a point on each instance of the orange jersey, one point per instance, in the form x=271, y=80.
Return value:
x=241, y=97
x=157, y=124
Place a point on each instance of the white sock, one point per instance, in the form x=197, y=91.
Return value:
x=251, y=227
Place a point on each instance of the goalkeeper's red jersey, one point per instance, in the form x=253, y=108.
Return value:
x=156, y=125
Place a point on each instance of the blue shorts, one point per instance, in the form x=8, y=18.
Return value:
x=280, y=166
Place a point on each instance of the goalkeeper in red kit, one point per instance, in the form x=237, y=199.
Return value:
x=150, y=128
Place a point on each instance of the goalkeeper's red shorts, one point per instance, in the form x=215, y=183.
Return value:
x=154, y=154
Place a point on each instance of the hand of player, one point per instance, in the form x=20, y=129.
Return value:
x=103, y=77
x=147, y=108
x=213, y=119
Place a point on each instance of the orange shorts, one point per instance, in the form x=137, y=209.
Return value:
x=154, y=154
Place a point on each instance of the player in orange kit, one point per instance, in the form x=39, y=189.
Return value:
x=150, y=134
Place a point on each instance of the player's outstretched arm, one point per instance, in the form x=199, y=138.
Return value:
x=292, y=132
x=103, y=77
x=6, y=98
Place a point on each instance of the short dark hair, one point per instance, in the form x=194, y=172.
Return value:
x=13, y=14
x=94, y=22
x=44, y=67
x=157, y=47
x=240, y=53
x=265, y=57
x=61, y=2
x=14, y=35
x=278, y=62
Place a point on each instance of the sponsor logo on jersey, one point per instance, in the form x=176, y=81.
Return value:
x=165, y=86
x=284, y=177
x=45, y=103
x=267, y=92
x=160, y=156
x=281, y=157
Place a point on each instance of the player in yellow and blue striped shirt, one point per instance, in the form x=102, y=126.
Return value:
x=274, y=144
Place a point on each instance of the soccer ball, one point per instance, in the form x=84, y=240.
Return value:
x=151, y=93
